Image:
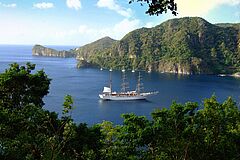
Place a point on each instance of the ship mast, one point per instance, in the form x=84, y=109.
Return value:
x=139, y=84
x=110, y=80
x=124, y=82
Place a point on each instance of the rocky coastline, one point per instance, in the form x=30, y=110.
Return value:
x=39, y=50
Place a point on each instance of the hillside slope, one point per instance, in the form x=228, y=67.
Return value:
x=189, y=45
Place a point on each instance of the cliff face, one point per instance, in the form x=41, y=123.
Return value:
x=189, y=45
x=193, y=66
x=39, y=50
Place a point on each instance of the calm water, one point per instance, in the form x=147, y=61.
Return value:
x=85, y=85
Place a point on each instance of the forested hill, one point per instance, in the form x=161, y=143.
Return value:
x=97, y=46
x=189, y=45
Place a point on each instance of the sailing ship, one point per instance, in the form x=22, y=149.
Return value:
x=133, y=70
x=108, y=94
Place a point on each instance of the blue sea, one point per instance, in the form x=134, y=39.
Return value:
x=85, y=84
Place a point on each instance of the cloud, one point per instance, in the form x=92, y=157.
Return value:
x=89, y=34
x=125, y=26
x=43, y=5
x=75, y=4
x=10, y=5
x=51, y=33
x=112, y=5
x=149, y=25
x=201, y=7
x=82, y=29
x=232, y=2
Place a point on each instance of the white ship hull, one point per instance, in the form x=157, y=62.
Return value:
x=108, y=94
x=121, y=98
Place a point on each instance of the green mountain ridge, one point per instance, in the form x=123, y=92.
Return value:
x=189, y=45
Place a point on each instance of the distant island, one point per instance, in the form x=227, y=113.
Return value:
x=39, y=50
x=189, y=45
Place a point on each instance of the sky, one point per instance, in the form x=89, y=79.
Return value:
x=78, y=22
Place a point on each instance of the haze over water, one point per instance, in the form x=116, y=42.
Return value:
x=85, y=84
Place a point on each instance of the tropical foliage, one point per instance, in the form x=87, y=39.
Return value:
x=184, y=131
x=156, y=7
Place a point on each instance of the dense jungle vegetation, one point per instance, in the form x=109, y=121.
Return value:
x=184, y=131
x=188, y=45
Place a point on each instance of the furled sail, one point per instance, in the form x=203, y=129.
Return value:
x=106, y=90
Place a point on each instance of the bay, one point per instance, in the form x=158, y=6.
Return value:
x=85, y=84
